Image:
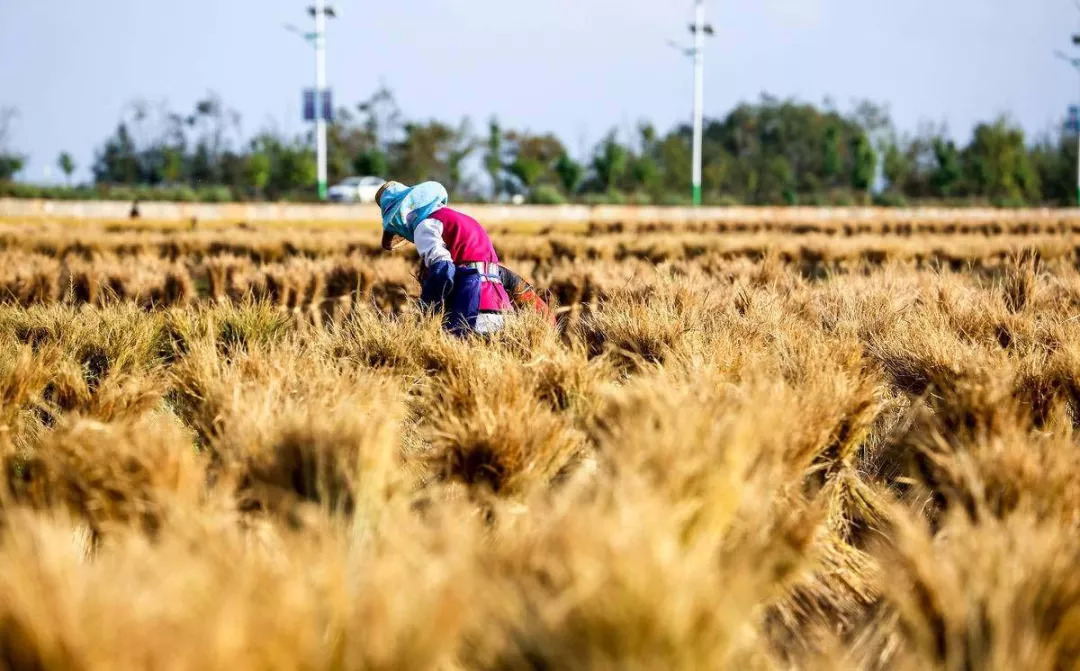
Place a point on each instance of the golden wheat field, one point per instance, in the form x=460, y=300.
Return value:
x=834, y=446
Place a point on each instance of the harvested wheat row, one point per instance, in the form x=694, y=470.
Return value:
x=785, y=452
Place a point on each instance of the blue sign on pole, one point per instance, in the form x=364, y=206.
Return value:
x=1072, y=121
x=327, y=106
x=322, y=105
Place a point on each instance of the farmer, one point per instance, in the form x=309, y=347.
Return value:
x=460, y=273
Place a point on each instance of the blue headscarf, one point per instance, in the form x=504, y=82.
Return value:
x=404, y=207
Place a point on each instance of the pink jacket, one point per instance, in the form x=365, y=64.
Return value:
x=468, y=242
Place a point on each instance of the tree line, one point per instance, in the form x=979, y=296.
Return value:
x=769, y=152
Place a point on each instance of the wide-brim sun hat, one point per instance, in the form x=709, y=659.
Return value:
x=404, y=207
x=390, y=240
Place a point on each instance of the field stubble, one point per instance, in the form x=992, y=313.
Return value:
x=742, y=449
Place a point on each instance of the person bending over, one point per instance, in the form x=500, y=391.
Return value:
x=461, y=268
x=460, y=273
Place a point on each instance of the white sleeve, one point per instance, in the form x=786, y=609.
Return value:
x=429, y=242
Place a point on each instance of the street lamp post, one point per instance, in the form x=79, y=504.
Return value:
x=699, y=94
x=320, y=11
x=700, y=30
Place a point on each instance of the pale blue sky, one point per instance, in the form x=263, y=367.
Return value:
x=576, y=67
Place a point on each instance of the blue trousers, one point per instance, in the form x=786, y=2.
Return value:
x=463, y=304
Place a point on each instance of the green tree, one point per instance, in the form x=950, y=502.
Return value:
x=864, y=165
x=610, y=162
x=432, y=151
x=67, y=166
x=360, y=139
x=997, y=164
x=777, y=182
x=118, y=161
x=202, y=165
x=415, y=158
x=371, y=162
x=258, y=171
x=644, y=173
x=344, y=141
x=10, y=165
x=832, y=158
x=1054, y=160
x=532, y=158
x=493, y=158
x=213, y=124
x=292, y=165
x=917, y=162
x=775, y=150
x=771, y=151
x=673, y=156
x=569, y=173
x=948, y=171
x=896, y=167
x=173, y=169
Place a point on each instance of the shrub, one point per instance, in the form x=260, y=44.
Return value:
x=546, y=195
x=215, y=194
x=890, y=199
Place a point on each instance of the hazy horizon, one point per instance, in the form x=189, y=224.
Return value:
x=573, y=67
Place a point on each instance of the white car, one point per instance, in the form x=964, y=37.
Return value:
x=356, y=190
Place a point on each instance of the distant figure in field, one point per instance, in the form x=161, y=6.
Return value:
x=460, y=271
x=134, y=214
